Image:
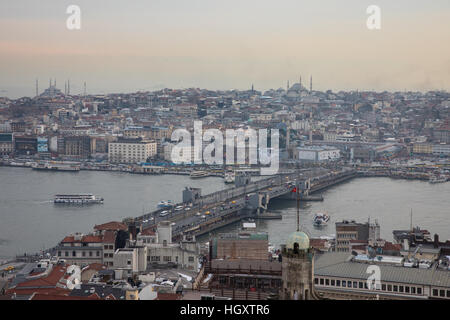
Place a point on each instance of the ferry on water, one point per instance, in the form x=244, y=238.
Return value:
x=165, y=204
x=199, y=174
x=82, y=198
x=56, y=167
x=321, y=219
x=229, y=177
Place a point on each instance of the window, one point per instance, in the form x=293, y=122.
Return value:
x=316, y=280
x=441, y=293
x=349, y=284
x=406, y=289
x=321, y=281
x=338, y=283
x=66, y=253
x=90, y=253
x=395, y=288
x=355, y=284
x=167, y=258
x=344, y=284
x=389, y=287
x=419, y=290
x=413, y=290
x=74, y=254
x=401, y=289
x=190, y=259
x=129, y=262
x=332, y=282
x=98, y=253
x=83, y=254
x=448, y=293
x=59, y=253
x=327, y=282
x=360, y=285
x=383, y=287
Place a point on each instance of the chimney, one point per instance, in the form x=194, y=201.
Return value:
x=436, y=240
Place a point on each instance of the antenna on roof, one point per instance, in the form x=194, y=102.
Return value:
x=298, y=207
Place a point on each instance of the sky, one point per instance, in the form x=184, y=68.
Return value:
x=128, y=46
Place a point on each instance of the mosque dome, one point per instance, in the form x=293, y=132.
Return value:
x=298, y=237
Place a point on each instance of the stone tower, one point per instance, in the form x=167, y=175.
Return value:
x=297, y=268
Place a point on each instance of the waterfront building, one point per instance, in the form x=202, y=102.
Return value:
x=131, y=150
x=6, y=143
x=340, y=276
x=82, y=250
x=77, y=146
x=317, y=153
x=161, y=251
x=349, y=231
x=25, y=145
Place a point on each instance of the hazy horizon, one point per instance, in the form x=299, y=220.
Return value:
x=145, y=46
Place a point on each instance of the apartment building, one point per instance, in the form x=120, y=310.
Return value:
x=131, y=150
x=349, y=231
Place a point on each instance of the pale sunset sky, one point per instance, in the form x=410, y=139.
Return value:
x=126, y=46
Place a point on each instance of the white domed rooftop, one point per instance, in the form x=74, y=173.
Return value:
x=298, y=237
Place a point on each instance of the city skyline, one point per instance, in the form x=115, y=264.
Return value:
x=144, y=47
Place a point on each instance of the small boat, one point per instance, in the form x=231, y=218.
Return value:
x=82, y=198
x=321, y=219
x=229, y=177
x=165, y=204
x=199, y=174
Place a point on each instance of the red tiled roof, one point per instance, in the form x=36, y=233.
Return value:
x=148, y=232
x=57, y=273
x=87, y=238
x=46, y=296
x=113, y=225
x=168, y=296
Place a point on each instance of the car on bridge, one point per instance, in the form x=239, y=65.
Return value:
x=164, y=213
x=179, y=208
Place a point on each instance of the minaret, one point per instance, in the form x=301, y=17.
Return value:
x=287, y=86
x=300, y=83
x=310, y=85
x=85, y=89
x=65, y=88
x=68, y=87
x=37, y=87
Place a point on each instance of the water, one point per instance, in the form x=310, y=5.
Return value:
x=386, y=200
x=29, y=221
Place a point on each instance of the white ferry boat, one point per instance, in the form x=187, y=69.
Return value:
x=55, y=167
x=165, y=204
x=229, y=177
x=84, y=198
x=199, y=174
x=321, y=219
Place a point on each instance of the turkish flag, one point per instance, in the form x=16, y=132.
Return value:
x=294, y=190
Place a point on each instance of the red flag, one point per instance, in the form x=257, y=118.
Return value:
x=294, y=190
